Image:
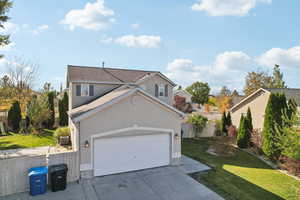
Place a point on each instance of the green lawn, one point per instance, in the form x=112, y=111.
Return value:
x=16, y=141
x=241, y=176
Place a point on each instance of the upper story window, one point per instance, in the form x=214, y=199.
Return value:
x=161, y=91
x=84, y=90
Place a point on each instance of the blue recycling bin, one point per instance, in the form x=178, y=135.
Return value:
x=38, y=180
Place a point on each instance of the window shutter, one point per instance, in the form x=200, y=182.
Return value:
x=166, y=90
x=156, y=90
x=91, y=90
x=78, y=90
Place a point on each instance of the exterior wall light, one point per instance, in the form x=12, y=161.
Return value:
x=86, y=144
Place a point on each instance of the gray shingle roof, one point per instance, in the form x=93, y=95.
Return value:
x=99, y=74
x=290, y=93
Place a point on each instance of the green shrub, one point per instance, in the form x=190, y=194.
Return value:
x=198, y=121
x=62, y=131
x=290, y=143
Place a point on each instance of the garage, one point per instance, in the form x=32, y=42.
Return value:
x=113, y=155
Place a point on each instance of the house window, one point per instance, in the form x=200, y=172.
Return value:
x=84, y=90
x=161, y=91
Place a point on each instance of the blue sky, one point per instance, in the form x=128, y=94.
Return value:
x=215, y=41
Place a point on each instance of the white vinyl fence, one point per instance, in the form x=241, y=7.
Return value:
x=188, y=131
x=14, y=171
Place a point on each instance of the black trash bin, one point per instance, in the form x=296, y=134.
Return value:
x=58, y=177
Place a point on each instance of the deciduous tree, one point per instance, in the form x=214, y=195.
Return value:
x=199, y=92
x=255, y=80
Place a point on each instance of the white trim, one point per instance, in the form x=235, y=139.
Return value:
x=147, y=77
x=119, y=98
x=86, y=167
x=177, y=155
x=135, y=127
x=260, y=89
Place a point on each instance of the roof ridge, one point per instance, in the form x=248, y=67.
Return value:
x=113, y=68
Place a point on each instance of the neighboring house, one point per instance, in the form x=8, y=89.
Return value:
x=185, y=94
x=122, y=120
x=257, y=102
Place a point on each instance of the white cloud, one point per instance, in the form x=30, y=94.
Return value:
x=8, y=47
x=142, y=41
x=9, y=28
x=228, y=68
x=135, y=26
x=40, y=29
x=284, y=57
x=94, y=16
x=227, y=7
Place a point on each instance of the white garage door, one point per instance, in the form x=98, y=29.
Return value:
x=123, y=154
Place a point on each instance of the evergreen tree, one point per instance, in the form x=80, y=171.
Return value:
x=228, y=119
x=273, y=124
x=51, y=120
x=63, y=110
x=224, y=123
x=292, y=109
x=277, y=78
x=249, y=118
x=60, y=112
x=242, y=137
x=14, y=116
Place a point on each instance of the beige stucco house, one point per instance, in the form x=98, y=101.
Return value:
x=257, y=102
x=122, y=120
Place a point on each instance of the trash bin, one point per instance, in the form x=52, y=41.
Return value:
x=38, y=180
x=58, y=177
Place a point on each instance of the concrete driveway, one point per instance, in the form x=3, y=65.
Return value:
x=165, y=183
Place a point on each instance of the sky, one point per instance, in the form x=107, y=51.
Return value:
x=214, y=41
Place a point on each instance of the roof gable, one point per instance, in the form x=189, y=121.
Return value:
x=111, y=98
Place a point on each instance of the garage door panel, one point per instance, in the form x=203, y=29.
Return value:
x=122, y=154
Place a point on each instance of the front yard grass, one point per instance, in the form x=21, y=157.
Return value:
x=241, y=176
x=16, y=141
